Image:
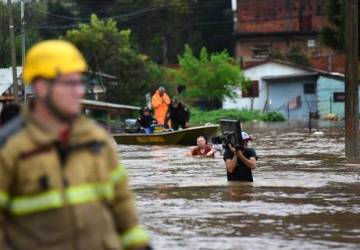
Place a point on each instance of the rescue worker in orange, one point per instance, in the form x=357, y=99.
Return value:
x=160, y=103
x=61, y=184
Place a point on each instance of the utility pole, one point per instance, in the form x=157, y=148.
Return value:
x=351, y=81
x=13, y=50
x=23, y=46
x=234, y=8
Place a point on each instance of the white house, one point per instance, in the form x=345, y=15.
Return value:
x=257, y=74
x=6, y=78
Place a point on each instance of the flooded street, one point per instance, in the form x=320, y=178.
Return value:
x=304, y=196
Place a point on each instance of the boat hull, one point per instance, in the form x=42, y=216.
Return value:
x=181, y=137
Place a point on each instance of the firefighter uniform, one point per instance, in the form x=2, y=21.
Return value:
x=63, y=196
x=57, y=199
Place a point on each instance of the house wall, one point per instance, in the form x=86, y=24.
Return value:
x=326, y=88
x=280, y=93
x=244, y=48
x=278, y=25
x=256, y=73
x=280, y=15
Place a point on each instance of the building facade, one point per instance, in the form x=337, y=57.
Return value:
x=271, y=28
x=258, y=99
x=293, y=90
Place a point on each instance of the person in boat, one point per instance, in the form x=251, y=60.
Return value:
x=160, y=102
x=9, y=112
x=240, y=163
x=178, y=115
x=145, y=122
x=61, y=184
x=203, y=149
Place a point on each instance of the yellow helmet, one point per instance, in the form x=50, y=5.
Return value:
x=51, y=58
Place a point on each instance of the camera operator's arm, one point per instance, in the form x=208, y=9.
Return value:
x=230, y=159
x=250, y=163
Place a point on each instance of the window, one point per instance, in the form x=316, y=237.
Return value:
x=309, y=88
x=252, y=90
x=339, y=96
x=261, y=51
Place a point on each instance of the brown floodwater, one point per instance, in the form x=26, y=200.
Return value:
x=305, y=195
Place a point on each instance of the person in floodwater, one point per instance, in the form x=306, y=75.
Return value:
x=61, y=184
x=9, y=112
x=145, y=122
x=203, y=149
x=239, y=163
x=178, y=114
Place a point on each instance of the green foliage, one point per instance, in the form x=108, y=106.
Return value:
x=272, y=117
x=32, y=33
x=295, y=55
x=200, y=117
x=210, y=77
x=334, y=34
x=109, y=50
x=162, y=27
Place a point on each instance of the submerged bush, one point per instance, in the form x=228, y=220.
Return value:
x=201, y=117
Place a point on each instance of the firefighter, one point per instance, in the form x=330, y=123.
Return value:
x=61, y=184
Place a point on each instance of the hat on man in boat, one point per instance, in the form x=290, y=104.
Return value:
x=161, y=89
x=245, y=136
x=146, y=109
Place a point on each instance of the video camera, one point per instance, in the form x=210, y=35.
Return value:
x=230, y=134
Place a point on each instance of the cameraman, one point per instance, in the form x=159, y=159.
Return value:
x=239, y=163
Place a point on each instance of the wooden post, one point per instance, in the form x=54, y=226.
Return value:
x=288, y=114
x=331, y=105
x=351, y=81
x=13, y=50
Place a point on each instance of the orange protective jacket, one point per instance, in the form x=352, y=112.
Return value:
x=160, y=105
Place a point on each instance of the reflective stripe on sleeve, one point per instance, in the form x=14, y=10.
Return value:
x=74, y=195
x=119, y=174
x=135, y=237
x=36, y=203
x=4, y=199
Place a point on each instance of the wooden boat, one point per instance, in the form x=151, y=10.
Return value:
x=180, y=137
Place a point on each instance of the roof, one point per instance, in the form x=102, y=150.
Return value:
x=107, y=105
x=286, y=63
x=291, y=77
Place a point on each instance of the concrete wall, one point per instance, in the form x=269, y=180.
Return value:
x=256, y=73
x=326, y=88
x=280, y=93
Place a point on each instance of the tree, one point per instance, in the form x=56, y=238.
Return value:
x=108, y=50
x=32, y=34
x=160, y=28
x=163, y=31
x=210, y=77
x=334, y=35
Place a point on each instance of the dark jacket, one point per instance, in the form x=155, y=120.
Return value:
x=145, y=121
x=180, y=114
